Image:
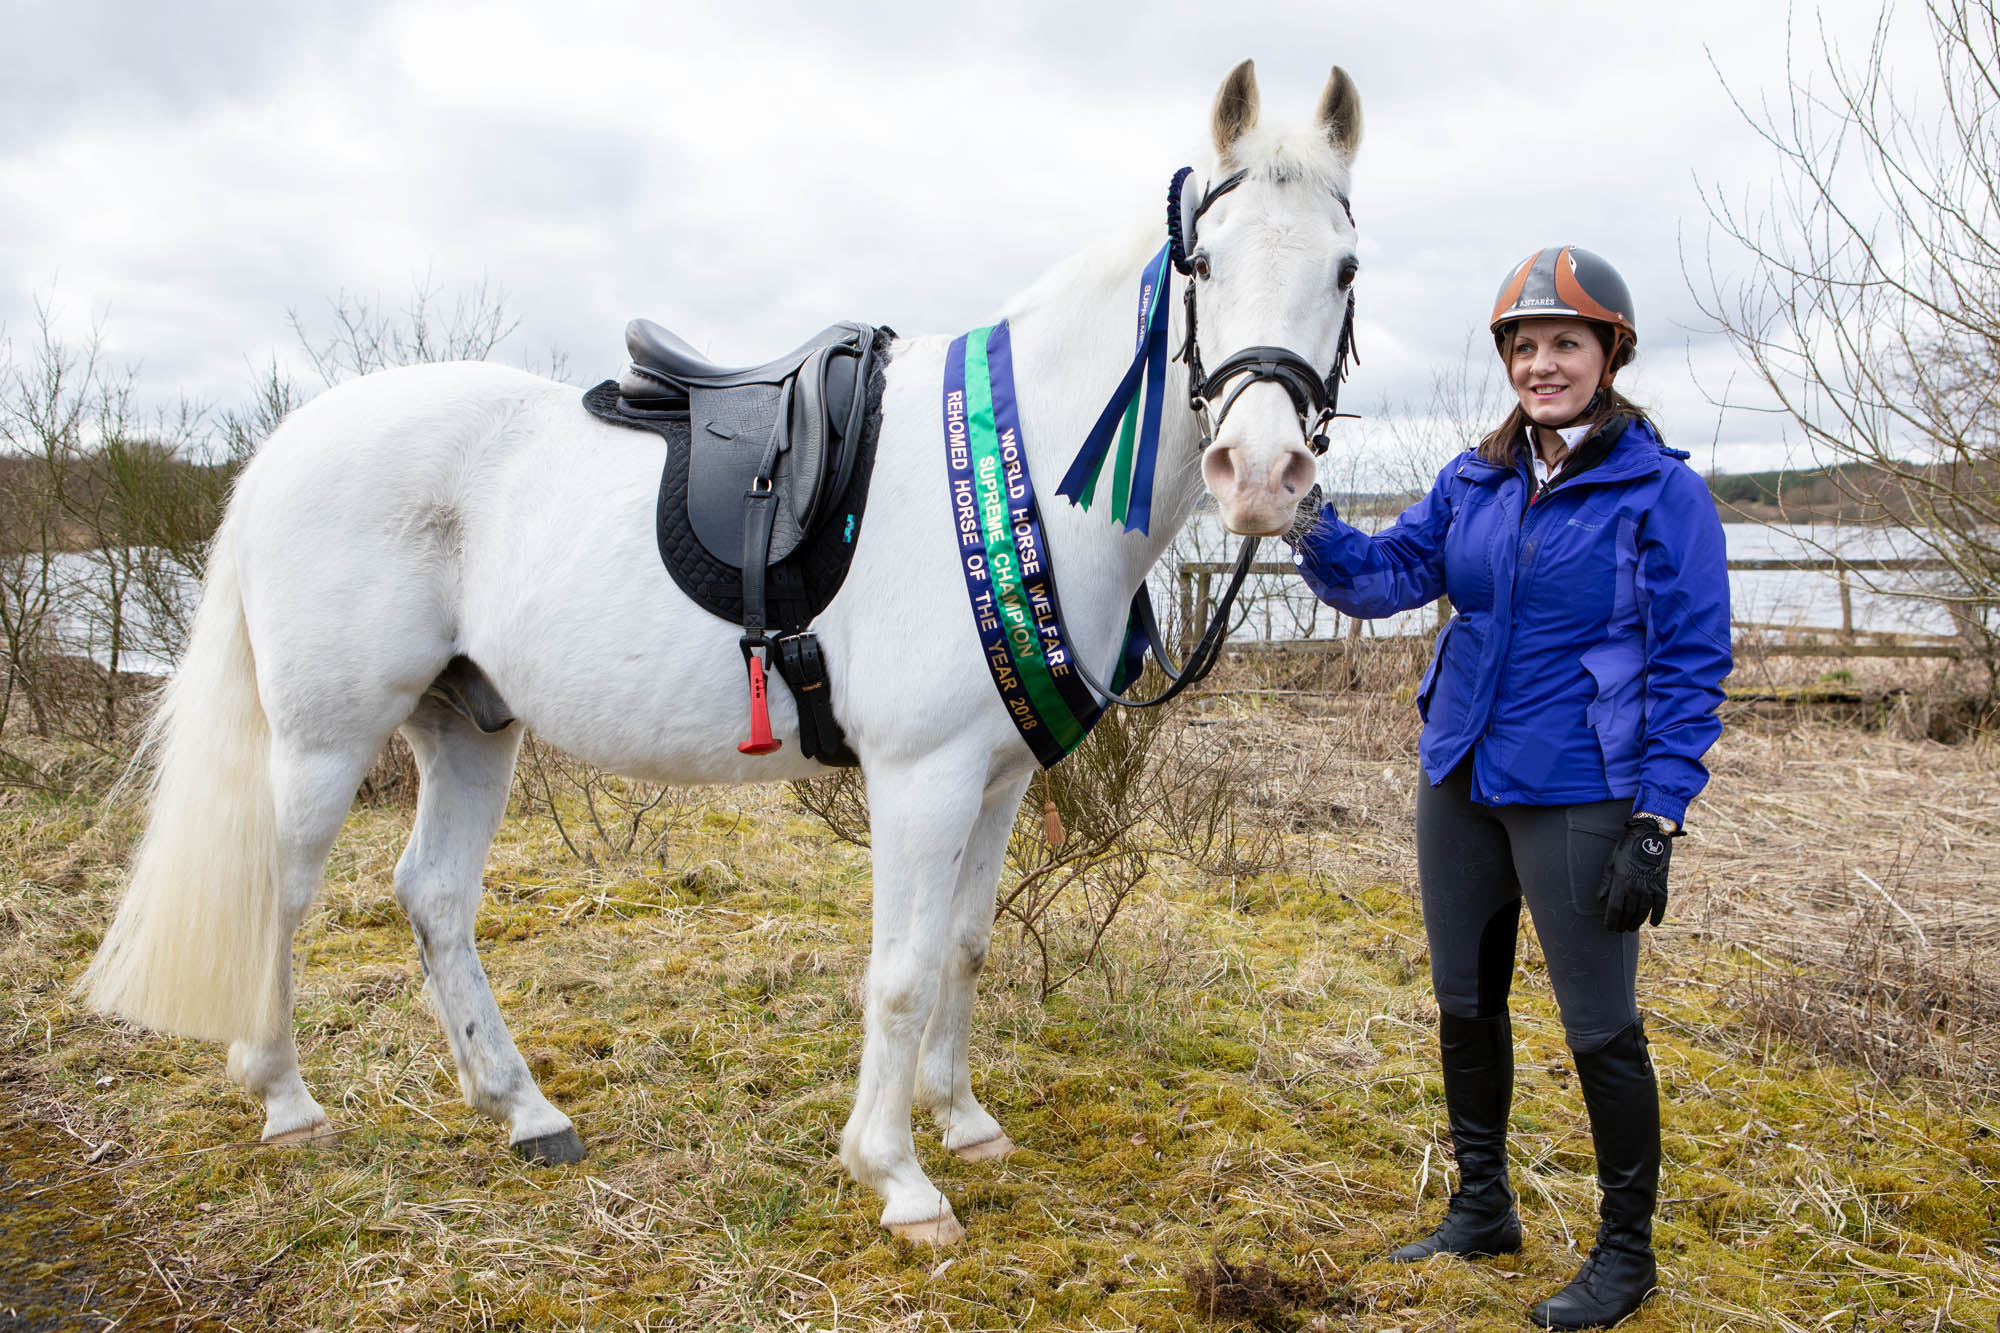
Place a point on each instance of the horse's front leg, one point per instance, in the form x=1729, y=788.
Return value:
x=944, y=1074
x=920, y=814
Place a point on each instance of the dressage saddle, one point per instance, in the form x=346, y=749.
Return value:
x=762, y=493
x=772, y=445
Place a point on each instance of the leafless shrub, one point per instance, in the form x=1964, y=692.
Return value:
x=392, y=779
x=1872, y=312
x=1093, y=883
x=602, y=818
x=1142, y=786
x=839, y=801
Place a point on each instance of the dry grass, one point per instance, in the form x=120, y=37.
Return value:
x=1226, y=1118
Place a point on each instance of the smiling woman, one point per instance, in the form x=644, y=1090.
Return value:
x=1567, y=710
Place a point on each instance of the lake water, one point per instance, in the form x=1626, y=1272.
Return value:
x=1280, y=607
x=79, y=626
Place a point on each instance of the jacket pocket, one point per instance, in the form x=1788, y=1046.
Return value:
x=1618, y=714
x=1428, y=685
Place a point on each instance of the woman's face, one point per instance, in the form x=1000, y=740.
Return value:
x=1555, y=365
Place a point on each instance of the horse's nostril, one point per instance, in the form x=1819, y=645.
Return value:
x=1221, y=466
x=1299, y=472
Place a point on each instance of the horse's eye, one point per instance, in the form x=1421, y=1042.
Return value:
x=1200, y=264
x=1348, y=272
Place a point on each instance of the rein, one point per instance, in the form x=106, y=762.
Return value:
x=1200, y=661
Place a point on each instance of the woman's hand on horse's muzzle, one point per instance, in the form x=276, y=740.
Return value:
x=1307, y=517
x=1634, y=883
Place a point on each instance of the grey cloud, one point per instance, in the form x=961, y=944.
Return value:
x=75, y=59
x=746, y=232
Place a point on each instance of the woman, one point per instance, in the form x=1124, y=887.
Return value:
x=1566, y=712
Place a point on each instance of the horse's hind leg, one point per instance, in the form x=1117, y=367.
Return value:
x=312, y=787
x=464, y=776
x=944, y=1075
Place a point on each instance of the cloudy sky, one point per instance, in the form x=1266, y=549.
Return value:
x=181, y=177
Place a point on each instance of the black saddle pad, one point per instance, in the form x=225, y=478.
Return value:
x=801, y=585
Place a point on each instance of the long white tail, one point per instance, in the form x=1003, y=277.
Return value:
x=194, y=948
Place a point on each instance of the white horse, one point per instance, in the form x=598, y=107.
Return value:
x=420, y=514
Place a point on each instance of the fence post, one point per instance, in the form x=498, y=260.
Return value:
x=1189, y=625
x=1846, y=608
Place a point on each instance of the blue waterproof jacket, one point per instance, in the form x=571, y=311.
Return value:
x=1591, y=635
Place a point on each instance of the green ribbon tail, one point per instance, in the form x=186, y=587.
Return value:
x=1121, y=476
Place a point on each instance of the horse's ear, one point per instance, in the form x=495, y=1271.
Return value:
x=1235, y=107
x=1339, y=113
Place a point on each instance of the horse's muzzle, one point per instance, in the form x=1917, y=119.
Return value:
x=1257, y=490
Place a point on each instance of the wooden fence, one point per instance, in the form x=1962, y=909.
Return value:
x=1199, y=580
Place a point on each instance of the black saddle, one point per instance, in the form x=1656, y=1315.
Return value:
x=791, y=427
x=762, y=493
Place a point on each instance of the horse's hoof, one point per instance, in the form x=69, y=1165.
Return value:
x=941, y=1230
x=293, y=1138
x=562, y=1148
x=990, y=1151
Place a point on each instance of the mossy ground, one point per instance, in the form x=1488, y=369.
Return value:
x=1248, y=1072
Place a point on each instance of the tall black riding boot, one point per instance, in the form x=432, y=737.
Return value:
x=1624, y=1104
x=1478, y=1056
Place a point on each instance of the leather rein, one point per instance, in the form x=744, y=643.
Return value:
x=1315, y=397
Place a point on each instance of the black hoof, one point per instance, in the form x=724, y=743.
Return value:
x=562, y=1148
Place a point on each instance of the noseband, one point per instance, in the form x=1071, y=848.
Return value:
x=1315, y=397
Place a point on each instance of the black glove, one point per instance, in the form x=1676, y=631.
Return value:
x=1634, y=883
x=1306, y=519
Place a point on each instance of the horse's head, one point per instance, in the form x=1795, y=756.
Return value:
x=1272, y=259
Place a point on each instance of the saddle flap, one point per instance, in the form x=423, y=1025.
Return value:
x=794, y=422
x=731, y=434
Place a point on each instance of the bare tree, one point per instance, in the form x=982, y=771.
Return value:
x=1872, y=309
x=107, y=508
x=50, y=401
x=1416, y=438
x=365, y=337
x=105, y=517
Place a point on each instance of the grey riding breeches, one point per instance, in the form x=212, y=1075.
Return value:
x=1475, y=863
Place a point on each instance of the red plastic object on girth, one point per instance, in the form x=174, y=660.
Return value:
x=761, y=740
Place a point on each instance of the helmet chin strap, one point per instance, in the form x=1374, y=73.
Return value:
x=1595, y=400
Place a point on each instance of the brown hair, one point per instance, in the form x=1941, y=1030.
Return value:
x=1504, y=445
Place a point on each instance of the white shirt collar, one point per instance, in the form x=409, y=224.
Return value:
x=1571, y=437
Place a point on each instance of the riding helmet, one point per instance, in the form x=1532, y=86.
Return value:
x=1568, y=281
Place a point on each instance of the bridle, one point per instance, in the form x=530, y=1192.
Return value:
x=1314, y=396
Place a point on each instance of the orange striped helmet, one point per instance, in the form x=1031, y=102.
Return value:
x=1568, y=281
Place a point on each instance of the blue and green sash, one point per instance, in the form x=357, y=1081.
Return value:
x=1002, y=552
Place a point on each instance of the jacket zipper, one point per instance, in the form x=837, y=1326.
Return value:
x=1524, y=557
